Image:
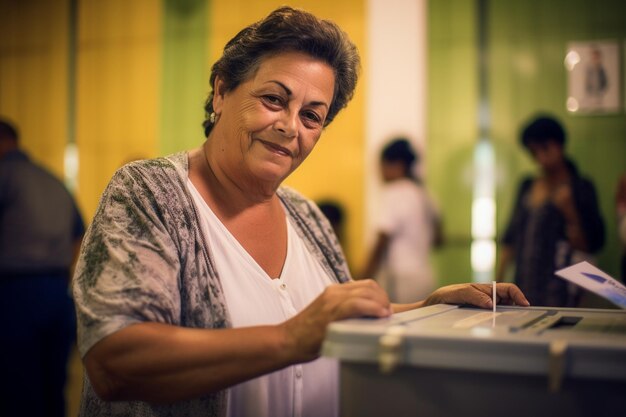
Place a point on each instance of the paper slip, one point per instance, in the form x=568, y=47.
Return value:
x=595, y=280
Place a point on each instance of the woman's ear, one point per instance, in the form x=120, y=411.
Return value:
x=218, y=95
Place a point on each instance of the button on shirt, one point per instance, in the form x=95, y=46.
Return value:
x=254, y=298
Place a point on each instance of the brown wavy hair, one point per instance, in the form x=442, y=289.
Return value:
x=288, y=29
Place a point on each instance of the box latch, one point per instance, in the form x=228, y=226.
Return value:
x=556, y=364
x=391, y=348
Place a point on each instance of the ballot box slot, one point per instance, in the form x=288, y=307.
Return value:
x=566, y=322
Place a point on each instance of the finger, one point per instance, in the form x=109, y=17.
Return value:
x=512, y=294
x=354, y=300
x=368, y=289
x=373, y=294
x=362, y=307
x=479, y=298
x=362, y=283
x=478, y=295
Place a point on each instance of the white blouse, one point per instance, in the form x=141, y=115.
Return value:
x=407, y=215
x=254, y=298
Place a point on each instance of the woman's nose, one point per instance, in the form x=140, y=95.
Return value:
x=287, y=123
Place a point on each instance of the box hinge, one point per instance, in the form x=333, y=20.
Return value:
x=391, y=348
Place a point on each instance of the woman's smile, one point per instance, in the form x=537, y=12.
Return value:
x=277, y=149
x=276, y=116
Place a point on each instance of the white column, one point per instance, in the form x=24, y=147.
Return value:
x=395, y=77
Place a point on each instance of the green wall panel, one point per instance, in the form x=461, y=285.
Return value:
x=452, y=130
x=185, y=77
x=527, y=41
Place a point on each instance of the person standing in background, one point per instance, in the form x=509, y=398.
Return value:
x=408, y=226
x=40, y=233
x=556, y=220
x=335, y=214
x=620, y=208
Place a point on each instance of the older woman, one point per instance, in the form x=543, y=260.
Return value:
x=200, y=273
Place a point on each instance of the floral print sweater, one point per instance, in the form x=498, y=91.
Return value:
x=145, y=259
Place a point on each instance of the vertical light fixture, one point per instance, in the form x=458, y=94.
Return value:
x=396, y=86
x=483, y=247
x=70, y=160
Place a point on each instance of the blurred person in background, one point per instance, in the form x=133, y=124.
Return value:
x=335, y=214
x=40, y=233
x=556, y=220
x=407, y=228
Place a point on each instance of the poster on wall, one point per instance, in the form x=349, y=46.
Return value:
x=594, y=77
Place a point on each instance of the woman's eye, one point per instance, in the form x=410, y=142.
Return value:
x=275, y=100
x=312, y=116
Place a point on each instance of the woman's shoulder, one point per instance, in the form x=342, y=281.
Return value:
x=297, y=204
x=584, y=187
x=156, y=179
x=153, y=170
x=293, y=197
x=178, y=161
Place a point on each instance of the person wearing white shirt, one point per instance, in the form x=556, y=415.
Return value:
x=407, y=228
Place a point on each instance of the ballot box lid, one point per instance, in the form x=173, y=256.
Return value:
x=573, y=342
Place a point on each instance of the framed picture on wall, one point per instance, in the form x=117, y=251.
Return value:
x=594, y=77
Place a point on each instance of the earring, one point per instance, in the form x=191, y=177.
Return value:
x=212, y=117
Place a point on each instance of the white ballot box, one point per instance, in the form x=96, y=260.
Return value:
x=450, y=361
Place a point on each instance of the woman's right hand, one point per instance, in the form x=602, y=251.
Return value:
x=306, y=331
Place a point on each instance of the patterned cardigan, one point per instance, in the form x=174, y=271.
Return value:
x=144, y=259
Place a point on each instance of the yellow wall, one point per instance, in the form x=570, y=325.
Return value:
x=117, y=84
x=118, y=67
x=118, y=91
x=33, y=76
x=335, y=169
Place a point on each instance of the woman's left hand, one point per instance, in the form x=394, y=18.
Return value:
x=478, y=295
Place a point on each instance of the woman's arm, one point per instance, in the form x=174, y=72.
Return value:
x=584, y=226
x=164, y=363
x=375, y=258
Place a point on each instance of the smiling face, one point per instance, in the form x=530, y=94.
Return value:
x=269, y=124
